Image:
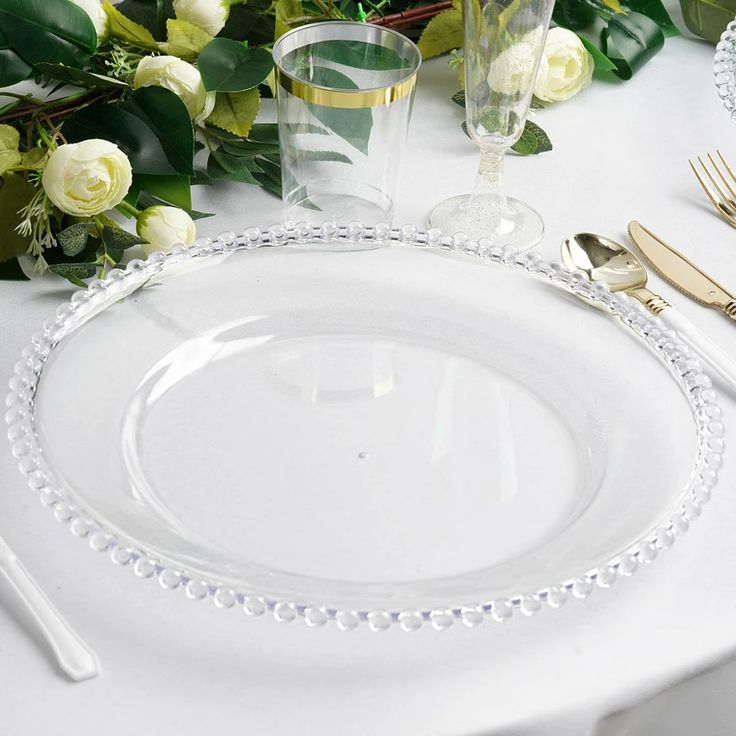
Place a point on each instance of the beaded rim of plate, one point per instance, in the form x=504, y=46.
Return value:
x=683, y=365
x=724, y=68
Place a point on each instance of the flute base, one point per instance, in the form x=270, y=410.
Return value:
x=502, y=220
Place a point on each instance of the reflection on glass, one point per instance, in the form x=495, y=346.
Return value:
x=503, y=45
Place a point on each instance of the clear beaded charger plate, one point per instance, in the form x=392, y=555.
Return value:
x=358, y=425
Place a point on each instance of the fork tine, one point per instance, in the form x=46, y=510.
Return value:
x=710, y=194
x=724, y=180
x=727, y=165
x=721, y=193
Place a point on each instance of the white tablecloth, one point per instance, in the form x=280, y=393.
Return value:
x=652, y=656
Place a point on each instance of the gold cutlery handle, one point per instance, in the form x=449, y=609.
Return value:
x=730, y=309
x=653, y=302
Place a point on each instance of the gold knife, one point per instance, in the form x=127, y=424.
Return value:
x=680, y=272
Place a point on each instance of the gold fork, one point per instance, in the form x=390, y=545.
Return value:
x=723, y=195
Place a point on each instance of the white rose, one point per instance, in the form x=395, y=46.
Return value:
x=87, y=178
x=566, y=67
x=182, y=78
x=164, y=227
x=209, y=15
x=97, y=15
x=511, y=71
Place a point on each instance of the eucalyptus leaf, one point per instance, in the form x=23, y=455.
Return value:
x=353, y=125
x=228, y=66
x=11, y=270
x=56, y=32
x=70, y=75
x=708, y=18
x=73, y=239
x=361, y=55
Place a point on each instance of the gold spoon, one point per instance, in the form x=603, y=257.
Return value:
x=609, y=262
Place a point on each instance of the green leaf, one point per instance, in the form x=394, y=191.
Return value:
x=573, y=14
x=655, y=10
x=442, y=34
x=626, y=41
x=152, y=128
x=167, y=116
x=147, y=199
x=299, y=129
x=174, y=189
x=56, y=32
x=80, y=78
x=361, y=55
x=459, y=98
x=248, y=149
x=73, y=239
x=12, y=68
x=10, y=270
x=117, y=238
x=533, y=140
x=252, y=22
x=603, y=64
x=707, y=18
x=287, y=12
x=127, y=30
x=228, y=66
x=307, y=155
x=184, y=39
x=630, y=41
x=15, y=193
x=235, y=111
x=74, y=272
x=221, y=165
x=9, y=154
x=270, y=179
x=353, y=125
x=151, y=14
x=269, y=132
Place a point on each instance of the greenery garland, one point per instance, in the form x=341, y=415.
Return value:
x=147, y=84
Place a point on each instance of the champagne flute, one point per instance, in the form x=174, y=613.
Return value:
x=504, y=40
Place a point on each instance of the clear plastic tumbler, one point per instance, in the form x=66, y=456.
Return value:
x=345, y=93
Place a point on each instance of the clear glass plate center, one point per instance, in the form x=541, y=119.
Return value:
x=369, y=429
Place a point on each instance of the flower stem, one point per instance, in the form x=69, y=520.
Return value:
x=128, y=209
